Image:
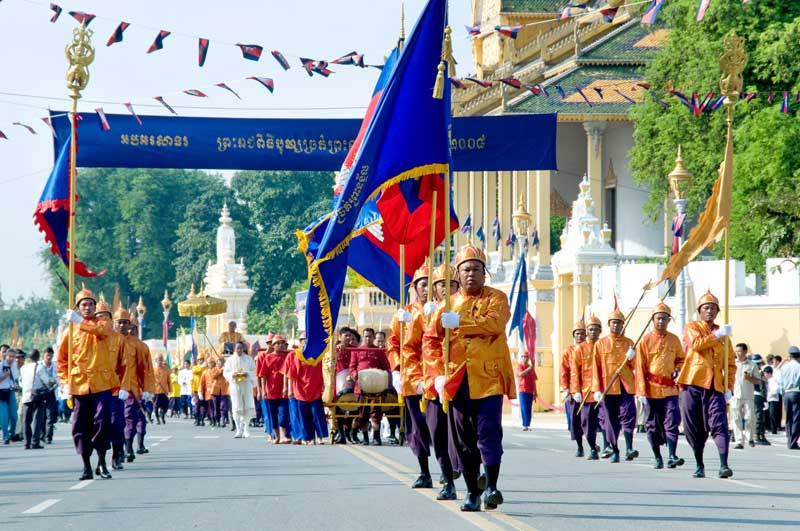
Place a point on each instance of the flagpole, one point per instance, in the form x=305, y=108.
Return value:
x=80, y=55
x=402, y=329
x=446, y=345
x=431, y=250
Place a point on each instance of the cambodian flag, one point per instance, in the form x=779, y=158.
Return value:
x=701, y=9
x=196, y=93
x=511, y=82
x=268, y=83
x=117, y=35
x=651, y=13
x=52, y=213
x=677, y=232
x=466, y=228
x=251, y=51
x=521, y=319
x=496, y=235
x=481, y=82
x=3, y=136
x=202, y=51
x=81, y=17
x=56, y=9
x=104, y=125
x=512, y=238
x=160, y=100
x=458, y=83
x=785, y=104
x=158, y=43
x=226, y=87
x=30, y=129
x=473, y=30
x=479, y=234
x=579, y=91
x=572, y=10
x=281, y=59
x=404, y=141
x=609, y=13
x=130, y=110
x=560, y=92
x=508, y=31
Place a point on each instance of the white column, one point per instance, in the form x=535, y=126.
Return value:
x=594, y=163
x=489, y=205
x=476, y=203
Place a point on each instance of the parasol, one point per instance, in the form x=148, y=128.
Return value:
x=201, y=305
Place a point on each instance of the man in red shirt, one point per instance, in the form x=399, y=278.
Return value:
x=274, y=391
x=368, y=356
x=526, y=387
x=305, y=386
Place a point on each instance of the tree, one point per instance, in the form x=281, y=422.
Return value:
x=766, y=193
x=33, y=315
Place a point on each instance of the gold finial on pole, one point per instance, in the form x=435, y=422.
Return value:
x=402, y=25
x=80, y=55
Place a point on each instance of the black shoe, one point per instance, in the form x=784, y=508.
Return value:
x=102, y=471
x=738, y=446
x=376, y=438
x=6, y=441
x=614, y=457
x=448, y=492
x=593, y=455
x=752, y=444
x=37, y=446
x=49, y=440
x=27, y=446
x=130, y=457
x=631, y=454
x=87, y=474
x=472, y=503
x=115, y=464
x=659, y=463
x=700, y=472
x=579, y=452
x=481, y=484
x=794, y=447
x=393, y=440
x=423, y=482
x=607, y=452
x=492, y=498
x=142, y=450
x=340, y=438
x=354, y=436
x=365, y=442
x=675, y=461
x=763, y=442
x=725, y=472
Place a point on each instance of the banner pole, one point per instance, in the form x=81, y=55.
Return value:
x=431, y=250
x=446, y=345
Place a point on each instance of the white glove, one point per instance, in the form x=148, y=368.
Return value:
x=429, y=308
x=642, y=400
x=72, y=315
x=564, y=395
x=578, y=397
x=438, y=383
x=728, y=329
x=724, y=330
x=630, y=354
x=728, y=396
x=419, y=388
x=597, y=396
x=403, y=316
x=146, y=395
x=123, y=394
x=450, y=320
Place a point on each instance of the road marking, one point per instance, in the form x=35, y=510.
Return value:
x=517, y=444
x=155, y=444
x=206, y=437
x=743, y=483
x=82, y=484
x=383, y=460
x=556, y=450
x=789, y=455
x=645, y=466
x=41, y=506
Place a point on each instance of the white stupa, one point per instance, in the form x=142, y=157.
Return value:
x=227, y=279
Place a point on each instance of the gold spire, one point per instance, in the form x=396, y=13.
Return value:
x=402, y=38
x=166, y=304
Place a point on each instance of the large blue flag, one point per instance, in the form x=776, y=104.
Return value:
x=407, y=138
x=521, y=319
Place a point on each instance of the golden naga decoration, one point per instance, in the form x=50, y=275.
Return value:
x=732, y=63
x=80, y=54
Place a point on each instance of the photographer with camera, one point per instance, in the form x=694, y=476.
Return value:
x=35, y=389
x=8, y=400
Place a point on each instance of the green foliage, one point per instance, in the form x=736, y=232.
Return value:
x=557, y=224
x=766, y=190
x=280, y=319
x=34, y=316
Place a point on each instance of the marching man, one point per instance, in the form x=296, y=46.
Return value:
x=240, y=371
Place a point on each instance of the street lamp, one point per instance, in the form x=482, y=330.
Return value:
x=141, y=309
x=680, y=179
x=166, y=305
x=522, y=223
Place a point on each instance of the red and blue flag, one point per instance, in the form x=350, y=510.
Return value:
x=251, y=51
x=473, y=30
x=785, y=103
x=226, y=87
x=80, y=16
x=104, y=125
x=508, y=31
x=196, y=93
x=701, y=9
x=281, y=59
x=572, y=10
x=466, y=228
x=117, y=35
x=609, y=13
x=267, y=82
x=482, y=82
x=56, y=9
x=158, y=43
x=202, y=51
x=160, y=100
x=651, y=12
x=130, y=110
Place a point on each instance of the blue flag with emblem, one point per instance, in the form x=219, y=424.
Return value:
x=407, y=138
x=479, y=234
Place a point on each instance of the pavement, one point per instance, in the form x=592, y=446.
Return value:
x=199, y=478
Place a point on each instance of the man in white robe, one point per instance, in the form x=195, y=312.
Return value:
x=240, y=371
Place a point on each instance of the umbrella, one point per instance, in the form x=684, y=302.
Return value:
x=201, y=305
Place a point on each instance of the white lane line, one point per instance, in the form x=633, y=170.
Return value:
x=645, y=466
x=517, y=444
x=82, y=484
x=155, y=444
x=206, y=437
x=555, y=450
x=796, y=456
x=743, y=483
x=41, y=506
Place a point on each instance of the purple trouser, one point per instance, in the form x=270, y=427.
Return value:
x=620, y=412
x=436, y=419
x=590, y=419
x=135, y=421
x=475, y=428
x=117, y=422
x=417, y=434
x=663, y=419
x=575, y=428
x=91, y=422
x=791, y=404
x=703, y=412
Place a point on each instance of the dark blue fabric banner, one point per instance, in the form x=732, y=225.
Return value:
x=511, y=142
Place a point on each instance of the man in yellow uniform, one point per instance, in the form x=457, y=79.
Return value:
x=703, y=392
x=480, y=373
x=162, y=388
x=89, y=378
x=659, y=356
x=229, y=338
x=146, y=379
x=610, y=353
x=565, y=377
x=413, y=320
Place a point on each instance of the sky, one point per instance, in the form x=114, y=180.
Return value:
x=33, y=66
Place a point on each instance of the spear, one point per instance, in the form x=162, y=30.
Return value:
x=431, y=249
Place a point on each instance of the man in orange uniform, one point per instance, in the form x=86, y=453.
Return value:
x=582, y=365
x=90, y=382
x=480, y=373
x=413, y=320
x=433, y=360
x=146, y=381
x=610, y=353
x=162, y=385
x=565, y=378
x=659, y=357
x=703, y=392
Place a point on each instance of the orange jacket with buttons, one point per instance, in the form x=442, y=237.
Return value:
x=161, y=380
x=705, y=358
x=658, y=355
x=609, y=354
x=94, y=365
x=581, y=368
x=145, y=381
x=432, y=355
x=565, y=369
x=127, y=358
x=411, y=373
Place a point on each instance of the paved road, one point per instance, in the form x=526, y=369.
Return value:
x=198, y=478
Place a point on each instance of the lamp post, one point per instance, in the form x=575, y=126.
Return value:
x=680, y=179
x=522, y=224
x=141, y=309
x=166, y=305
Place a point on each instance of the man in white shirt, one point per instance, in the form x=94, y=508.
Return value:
x=32, y=380
x=742, y=404
x=185, y=381
x=9, y=373
x=790, y=388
